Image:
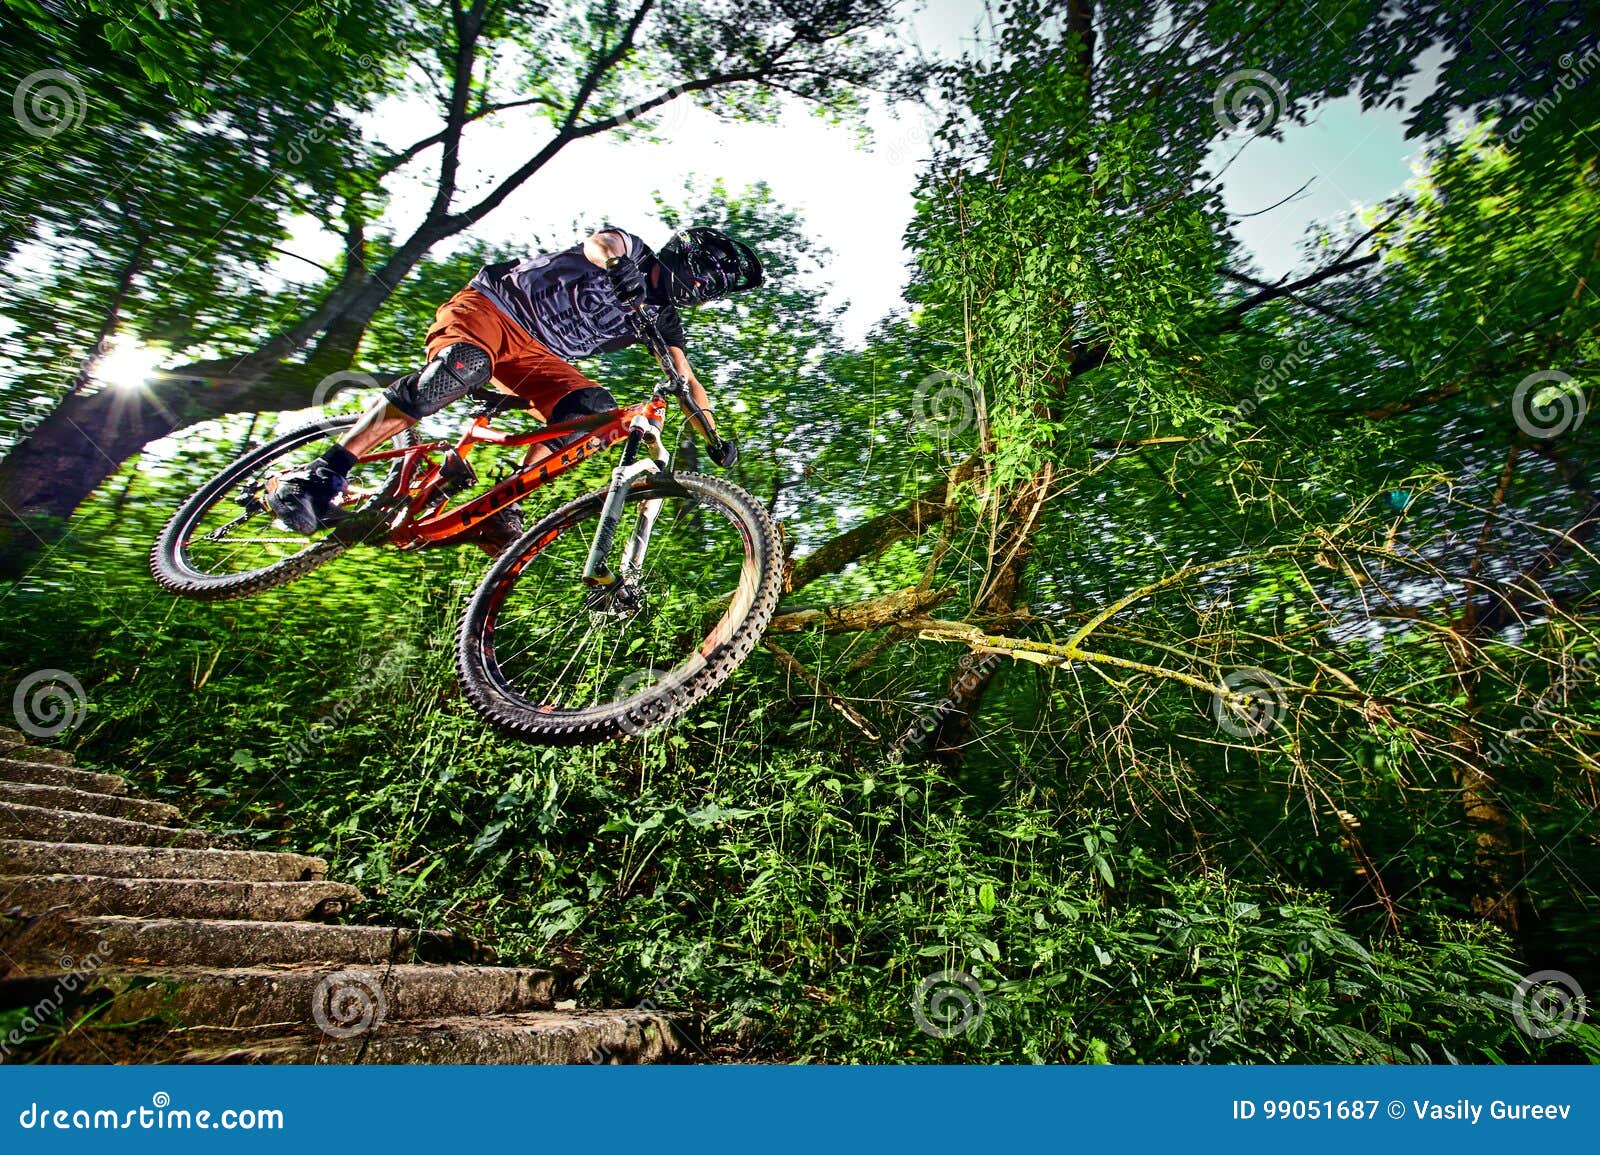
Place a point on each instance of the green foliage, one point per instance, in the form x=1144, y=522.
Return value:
x=1247, y=777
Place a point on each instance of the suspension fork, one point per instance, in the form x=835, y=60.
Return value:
x=597, y=570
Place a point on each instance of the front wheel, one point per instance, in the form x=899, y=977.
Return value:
x=543, y=656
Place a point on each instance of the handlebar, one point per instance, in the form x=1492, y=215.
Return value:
x=676, y=385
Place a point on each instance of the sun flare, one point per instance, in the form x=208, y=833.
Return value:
x=127, y=365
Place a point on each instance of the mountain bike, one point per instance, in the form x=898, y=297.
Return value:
x=567, y=639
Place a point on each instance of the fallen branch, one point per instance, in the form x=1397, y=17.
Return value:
x=789, y=662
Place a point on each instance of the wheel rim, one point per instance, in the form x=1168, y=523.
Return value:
x=550, y=653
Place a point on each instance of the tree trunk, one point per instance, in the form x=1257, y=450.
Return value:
x=974, y=672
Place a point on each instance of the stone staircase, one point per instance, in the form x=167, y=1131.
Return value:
x=172, y=947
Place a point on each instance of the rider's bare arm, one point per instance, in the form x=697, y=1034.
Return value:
x=601, y=247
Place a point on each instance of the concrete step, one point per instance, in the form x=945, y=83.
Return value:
x=19, y=856
x=26, y=753
x=177, y=897
x=293, y=997
x=66, y=798
x=543, y=1037
x=123, y=943
x=42, y=824
x=50, y=774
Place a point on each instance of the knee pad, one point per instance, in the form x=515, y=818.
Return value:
x=455, y=372
x=579, y=403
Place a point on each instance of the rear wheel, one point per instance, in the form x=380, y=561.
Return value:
x=223, y=543
x=550, y=660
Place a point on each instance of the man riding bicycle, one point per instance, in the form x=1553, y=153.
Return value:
x=519, y=326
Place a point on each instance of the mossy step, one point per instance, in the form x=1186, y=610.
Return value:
x=22, y=856
x=48, y=824
x=66, y=798
x=26, y=753
x=91, y=894
x=295, y=997
x=123, y=942
x=52, y=774
x=537, y=1037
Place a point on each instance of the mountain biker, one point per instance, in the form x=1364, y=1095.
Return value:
x=519, y=326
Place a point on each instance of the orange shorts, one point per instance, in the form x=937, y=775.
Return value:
x=521, y=365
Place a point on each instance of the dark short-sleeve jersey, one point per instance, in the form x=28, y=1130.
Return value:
x=567, y=304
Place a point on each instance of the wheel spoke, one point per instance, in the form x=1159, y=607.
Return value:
x=556, y=657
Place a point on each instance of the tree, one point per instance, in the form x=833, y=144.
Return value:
x=1178, y=483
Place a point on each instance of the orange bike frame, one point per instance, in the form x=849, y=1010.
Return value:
x=421, y=524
